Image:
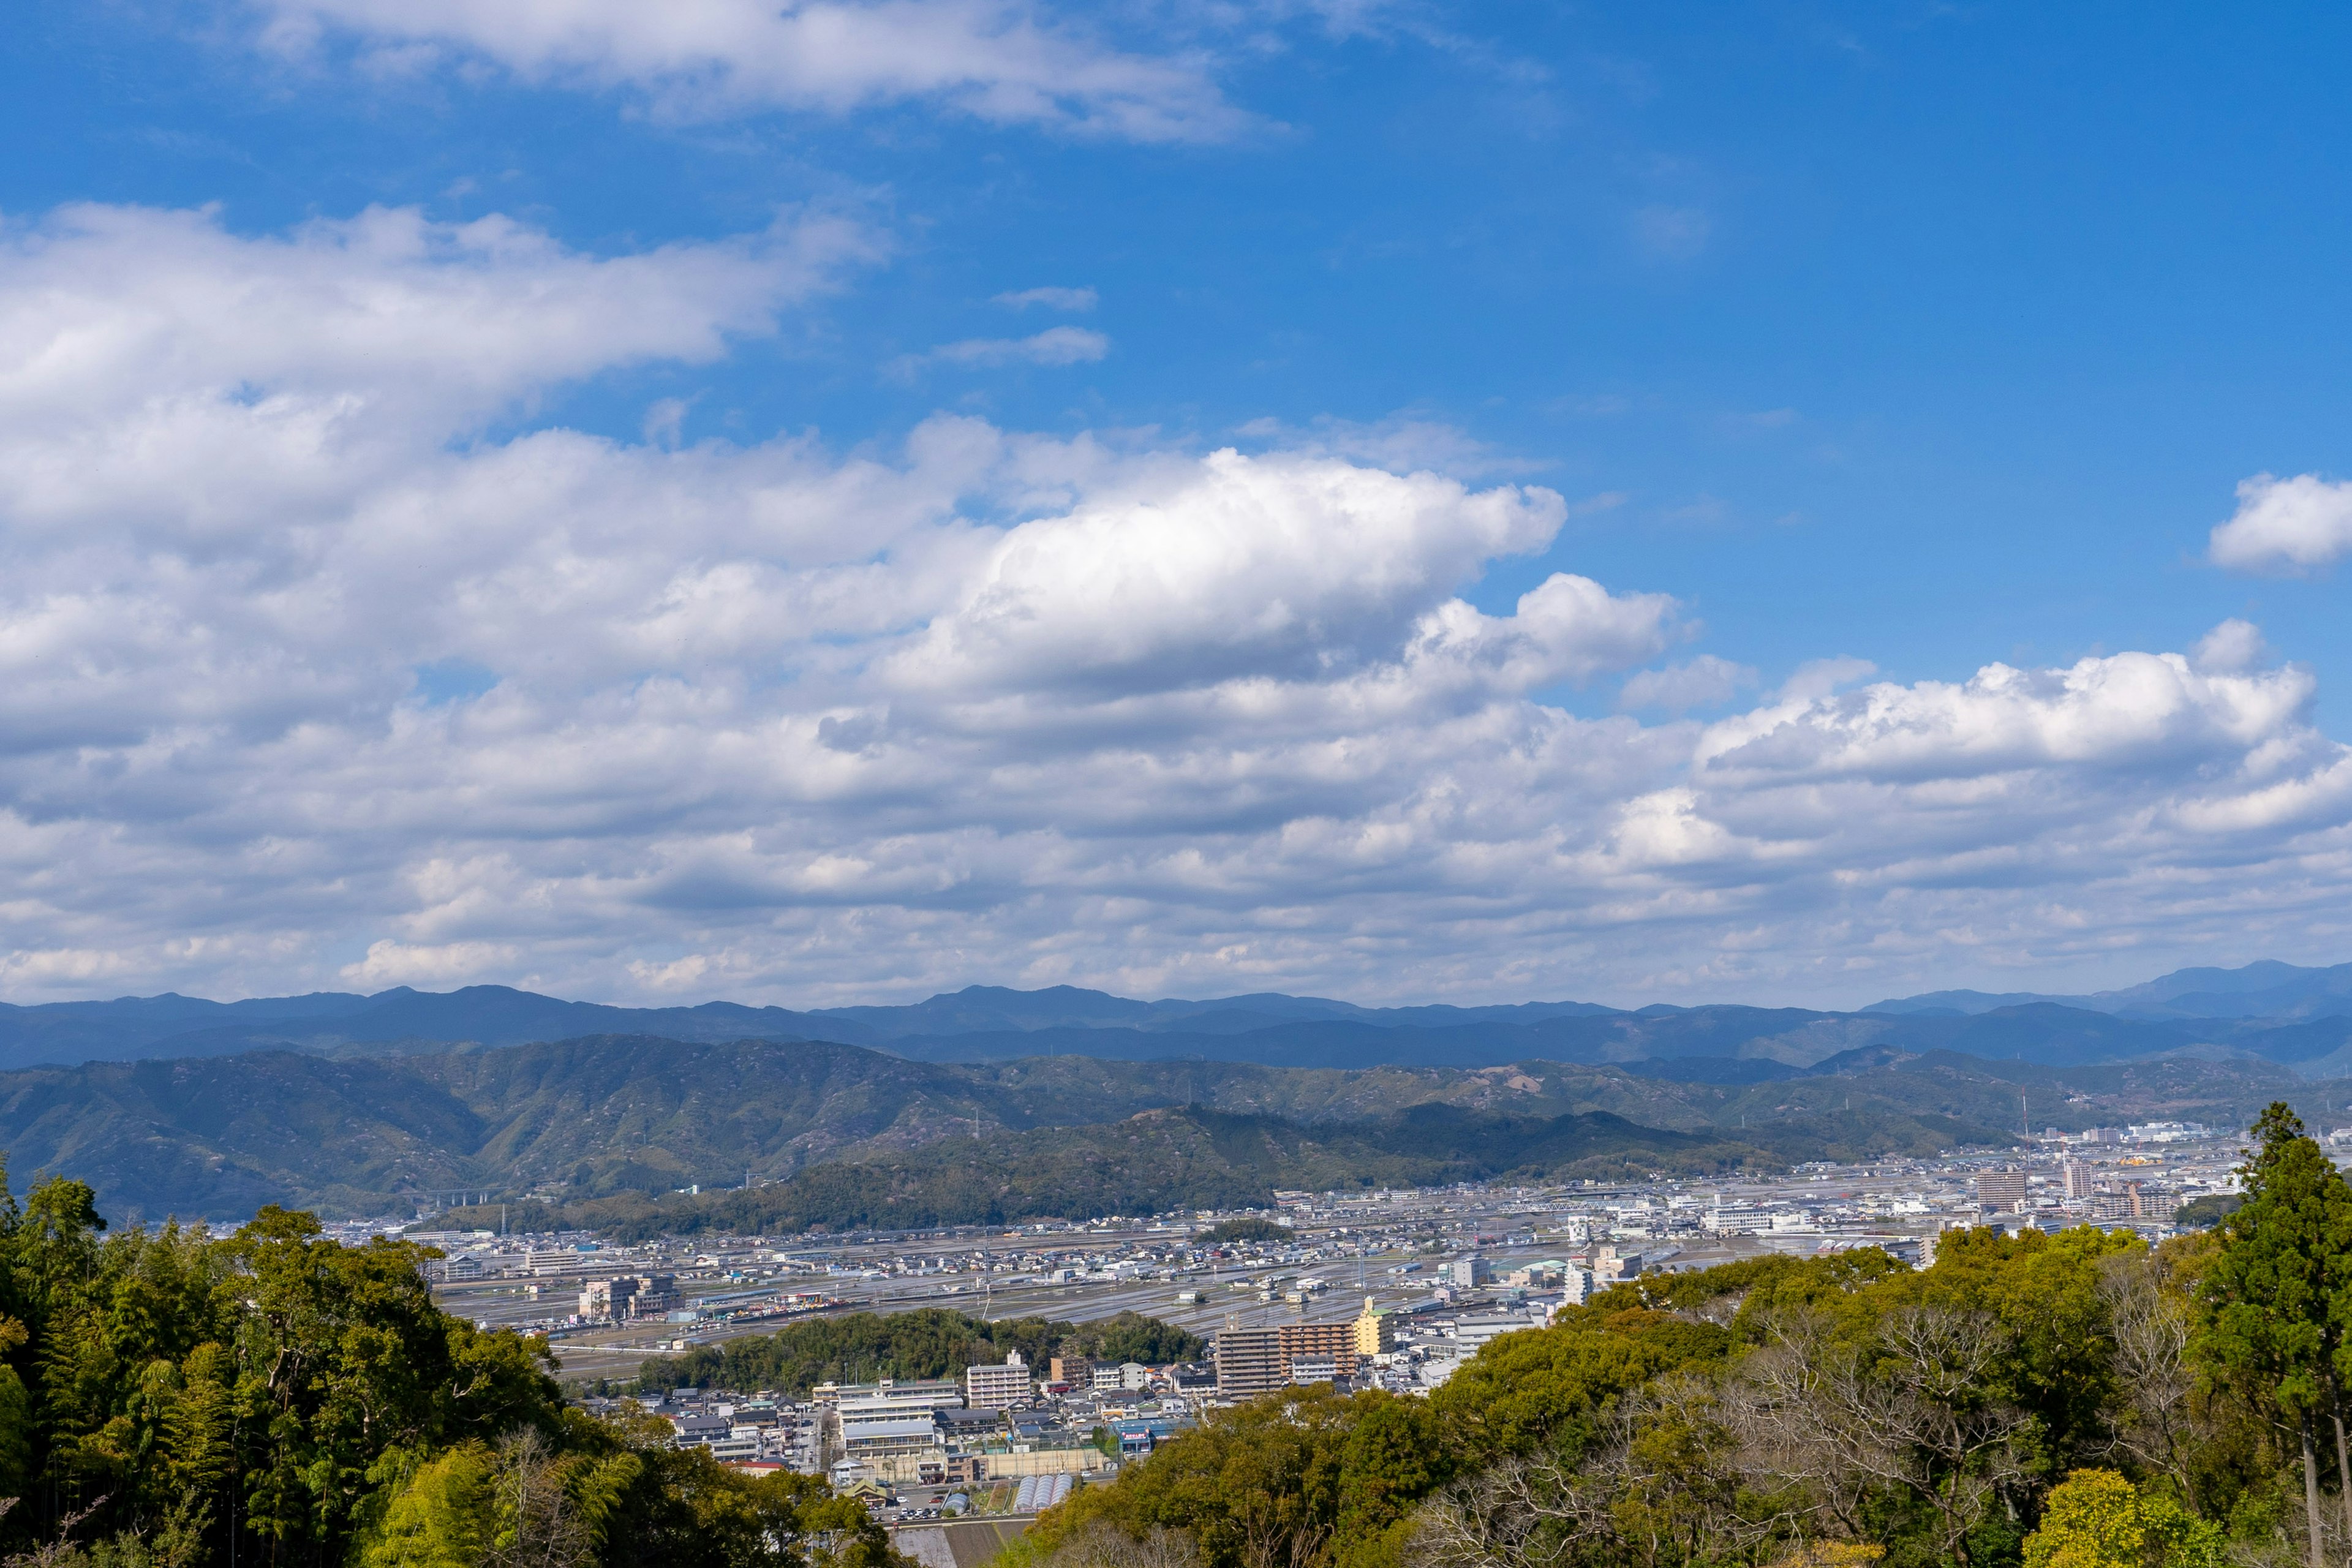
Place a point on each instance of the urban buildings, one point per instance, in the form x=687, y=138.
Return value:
x=1249, y=1362
x=2004, y=1191
x=1003, y=1387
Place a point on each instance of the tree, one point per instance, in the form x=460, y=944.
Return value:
x=2273, y=1299
x=1913, y=1409
x=2097, y=1519
x=2149, y=1323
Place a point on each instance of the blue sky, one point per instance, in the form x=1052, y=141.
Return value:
x=1931, y=337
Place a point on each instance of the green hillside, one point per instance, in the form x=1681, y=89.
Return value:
x=625, y=1118
x=1190, y=1157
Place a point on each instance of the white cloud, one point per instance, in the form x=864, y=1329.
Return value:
x=994, y=60
x=1817, y=678
x=1272, y=567
x=1706, y=681
x=1403, y=443
x=1054, y=346
x=1079, y=299
x=2232, y=648
x=2288, y=526
x=390, y=963
x=772, y=721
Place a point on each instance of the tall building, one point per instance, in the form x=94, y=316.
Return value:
x=1332, y=1342
x=1375, y=1334
x=1077, y=1371
x=2078, y=1180
x=1465, y=1273
x=2002, y=1190
x=1248, y=1362
x=998, y=1387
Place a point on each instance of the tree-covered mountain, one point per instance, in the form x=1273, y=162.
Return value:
x=609, y=1115
x=1185, y=1157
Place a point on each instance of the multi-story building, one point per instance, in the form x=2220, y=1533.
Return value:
x=999, y=1387
x=1466, y=1272
x=1325, y=1369
x=1333, y=1342
x=2001, y=1190
x=1077, y=1371
x=888, y=1397
x=1248, y=1362
x=2078, y=1180
x=629, y=1296
x=871, y=1441
x=1375, y=1332
x=609, y=1298
x=1473, y=1334
x=2125, y=1204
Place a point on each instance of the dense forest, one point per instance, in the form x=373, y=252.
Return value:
x=2066, y=1400
x=860, y=1347
x=170, y=1399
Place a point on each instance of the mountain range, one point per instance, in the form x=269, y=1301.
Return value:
x=2297, y=1017
x=408, y=1099
x=601, y=1125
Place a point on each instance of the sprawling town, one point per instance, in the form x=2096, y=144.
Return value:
x=1389, y=1289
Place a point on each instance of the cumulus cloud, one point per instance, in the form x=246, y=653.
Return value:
x=1274, y=566
x=1078, y=300
x=306, y=680
x=1706, y=681
x=2232, y=648
x=1054, y=346
x=2286, y=526
x=994, y=60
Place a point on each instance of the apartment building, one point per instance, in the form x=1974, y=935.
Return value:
x=2001, y=1190
x=999, y=1387
x=1248, y=1362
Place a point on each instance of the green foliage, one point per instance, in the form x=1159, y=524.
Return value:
x=1262, y=1483
x=2203, y=1214
x=169, y=1398
x=2271, y=1294
x=2097, y=1518
x=1249, y=1227
x=1529, y=1391
x=859, y=1347
x=1842, y=1409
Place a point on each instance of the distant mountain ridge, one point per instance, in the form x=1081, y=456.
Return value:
x=2266, y=989
x=2275, y=1012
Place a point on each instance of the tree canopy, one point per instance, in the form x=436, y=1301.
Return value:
x=2063, y=1399
x=174, y=1397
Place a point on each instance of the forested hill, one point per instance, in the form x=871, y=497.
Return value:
x=1159, y=1160
x=609, y=1116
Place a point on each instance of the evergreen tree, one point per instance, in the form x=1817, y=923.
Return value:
x=2270, y=1293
